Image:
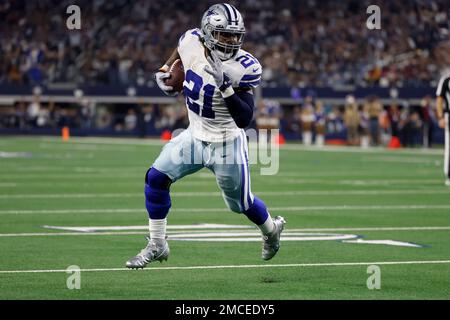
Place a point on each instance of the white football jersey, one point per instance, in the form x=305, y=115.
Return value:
x=209, y=117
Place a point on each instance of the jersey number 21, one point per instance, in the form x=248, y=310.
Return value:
x=193, y=95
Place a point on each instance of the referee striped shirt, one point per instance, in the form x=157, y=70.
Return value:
x=443, y=90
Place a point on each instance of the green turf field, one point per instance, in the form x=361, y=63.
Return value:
x=328, y=194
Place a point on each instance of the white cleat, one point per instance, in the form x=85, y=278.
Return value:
x=447, y=182
x=152, y=252
x=271, y=242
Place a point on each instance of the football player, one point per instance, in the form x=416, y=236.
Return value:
x=219, y=78
x=443, y=101
x=443, y=114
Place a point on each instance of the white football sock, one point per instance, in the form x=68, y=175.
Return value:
x=268, y=226
x=320, y=140
x=364, y=142
x=307, y=138
x=157, y=229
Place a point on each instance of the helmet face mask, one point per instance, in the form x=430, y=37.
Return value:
x=223, y=30
x=227, y=43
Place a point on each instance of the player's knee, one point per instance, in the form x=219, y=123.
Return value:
x=233, y=204
x=234, y=201
x=157, y=195
x=156, y=189
x=157, y=180
x=157, y=198
x=235, y=207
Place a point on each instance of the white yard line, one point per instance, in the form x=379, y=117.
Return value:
x=106, y=231
x=290, y=209
x=376, y=150
x=302, y=174
x=52, y=234
x=402, y=160
x=170, y=227
x=80, y=195
x=73, y=175
x=290, y=147
x=8, y=185
x=217, y=193
x=87, y=147
x=362, y=207
x=69, y=211
x=375, y=229
x=244, y=266
x=125, y=170
x=201, y=176
x=123, y=178
x=56, y=141
x=106, y=141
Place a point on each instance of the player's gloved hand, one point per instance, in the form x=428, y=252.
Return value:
x=160, y=76
x=216, y=71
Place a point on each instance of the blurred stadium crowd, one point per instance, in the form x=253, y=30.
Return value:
x=311, y=42
x=368, y=123
x=299, y=43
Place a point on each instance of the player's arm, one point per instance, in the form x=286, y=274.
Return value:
x=440, y=111
x=174, y=56
x=163, y=74
x=440, y=101
x=240, y=103
x=183, y=49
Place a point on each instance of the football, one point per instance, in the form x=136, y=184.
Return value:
x=176, y=76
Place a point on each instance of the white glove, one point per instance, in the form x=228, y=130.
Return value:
x=216, y=71
x=160, y=76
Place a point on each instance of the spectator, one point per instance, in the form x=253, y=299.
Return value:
x=394, y=121
x=87, y=111
x=385, y=127
x=33, y=110
x=20, y=115
x=374, y=109
x=364, y=126
x=307, y=118
x=43, y=117
x=130, y=120
x=293, y=122
x=182, y=118
x=426, y=116
x=123, y=41
x=149, y=119
x=411, y=131
x=103, y=118
x=352, y=121
x=319, y=124
x=267, y=118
